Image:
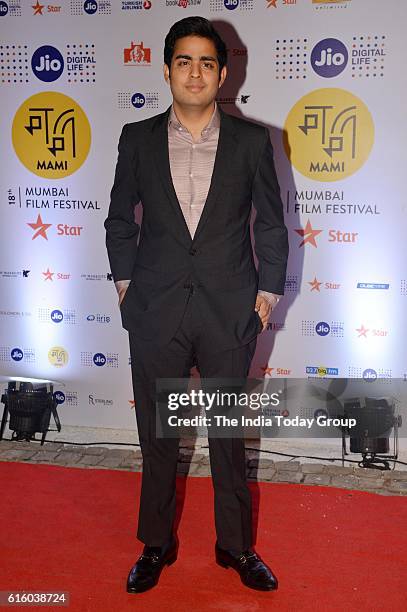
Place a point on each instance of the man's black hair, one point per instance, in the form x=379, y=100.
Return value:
x=194, y=26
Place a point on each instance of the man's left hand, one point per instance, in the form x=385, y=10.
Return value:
x=264, y=307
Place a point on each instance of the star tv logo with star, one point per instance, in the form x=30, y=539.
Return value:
x=38, y=8
x=315, y=285
x=63, y=229
x=40, y=228
x=308, y=234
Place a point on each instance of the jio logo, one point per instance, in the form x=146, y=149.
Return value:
x=3, y=8
x=138, y=100
x=329, y=57
x=231, y=5
x=17, y=354
x=59, y=397
x=47, y=63
x=322, y=328
x=99, y=359
x=369, y=374
x=57, y=316
x=90, y=7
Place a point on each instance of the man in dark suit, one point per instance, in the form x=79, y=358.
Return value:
x=189, y=291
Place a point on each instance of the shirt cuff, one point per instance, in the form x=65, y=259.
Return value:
x=272, y=298
x=121, y=284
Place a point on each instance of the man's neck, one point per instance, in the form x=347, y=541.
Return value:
x=194, y=119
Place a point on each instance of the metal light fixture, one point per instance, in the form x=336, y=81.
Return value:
x=30, y=403
x=375, y=420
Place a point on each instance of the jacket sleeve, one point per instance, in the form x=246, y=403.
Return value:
x=270, y=232
x=121, y=228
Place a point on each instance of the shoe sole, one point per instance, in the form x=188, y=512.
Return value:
x=169, y=562
x=226, y=566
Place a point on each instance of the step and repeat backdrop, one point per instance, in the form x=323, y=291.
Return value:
x=326, y=77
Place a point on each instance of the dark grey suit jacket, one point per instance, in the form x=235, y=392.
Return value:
x=164, y=260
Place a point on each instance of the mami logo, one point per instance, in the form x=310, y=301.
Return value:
x=51, y=135
x=58, y=356
x=328, y=134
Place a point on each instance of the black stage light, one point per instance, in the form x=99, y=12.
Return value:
x=30, y=403
x=375, y=420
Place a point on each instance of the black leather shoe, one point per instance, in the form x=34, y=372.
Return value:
x=144, y=575
x=254, y=573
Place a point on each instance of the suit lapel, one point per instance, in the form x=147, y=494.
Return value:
x=162, y=160
x=224, y=154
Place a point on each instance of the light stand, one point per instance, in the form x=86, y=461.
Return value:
x=375, y=419
x=30, y=404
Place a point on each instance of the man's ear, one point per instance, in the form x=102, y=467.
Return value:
x=223, y=74
x=166, y=71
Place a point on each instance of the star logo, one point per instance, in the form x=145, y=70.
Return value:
x=308, y=234
x=266, y=370
x=38, y=8
x=48, y=275
x=362, y=331
x=40, y=228
x=271, y=3
x=315, y=285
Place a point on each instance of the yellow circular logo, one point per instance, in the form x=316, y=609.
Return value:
x=328, y=134
x=58, y=356
x=51, y=135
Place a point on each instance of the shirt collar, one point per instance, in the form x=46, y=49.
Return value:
x=214, y=121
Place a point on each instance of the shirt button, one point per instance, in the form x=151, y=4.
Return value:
x=191, y=175
x=193, y=146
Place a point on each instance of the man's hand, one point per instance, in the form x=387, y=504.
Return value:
x=264, y=306
x=121, y=288
x=122, y=293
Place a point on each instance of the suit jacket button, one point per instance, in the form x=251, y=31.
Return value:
x=192, y=251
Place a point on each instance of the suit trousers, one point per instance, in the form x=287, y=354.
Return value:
x=232, y=499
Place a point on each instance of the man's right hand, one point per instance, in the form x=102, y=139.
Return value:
x=122, y=293
x=121, y=288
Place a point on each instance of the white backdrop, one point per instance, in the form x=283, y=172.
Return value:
x=326, y=76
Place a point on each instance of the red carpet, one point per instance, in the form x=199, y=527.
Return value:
x=74, y=530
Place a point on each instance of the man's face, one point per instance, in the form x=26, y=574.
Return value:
x=194, y=79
